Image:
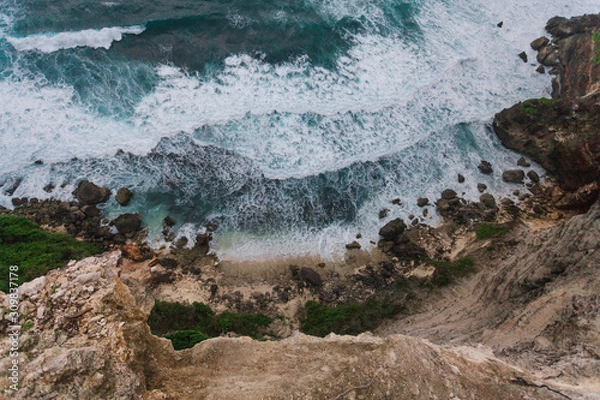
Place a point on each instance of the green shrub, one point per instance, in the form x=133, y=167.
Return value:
x=596, y=40
x=243, y=324
x=186, y=339
x=168, y=317
x=532, y=106
x=172, y=319
x=35, y=251
x=485, y=231
x=350, y=319
x=446, y=272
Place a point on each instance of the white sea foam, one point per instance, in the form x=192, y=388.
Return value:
x=387, y=95
x=94, y=38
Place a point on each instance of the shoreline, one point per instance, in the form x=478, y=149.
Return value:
x=517, y=279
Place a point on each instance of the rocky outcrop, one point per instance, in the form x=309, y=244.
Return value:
x=88, y=339
x=562, y=134
x=535, y=301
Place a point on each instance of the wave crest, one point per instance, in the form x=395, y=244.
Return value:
x=94, y=38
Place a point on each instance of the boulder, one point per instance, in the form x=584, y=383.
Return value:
x=461, y=178
x=422, y=201
x=169, y=221
x=513, y=176
x=310, y=277
x=523, y=56
x=533, y=176
x=90, y=193
x=539, y=42
x=128, y=224
x=522, y=162
x=353, y=245
x=392, y=229
x=123, y=196
x=485, y=167
x=487, y=200
x=383, y=213
x=548, y=56
x=481, y=187
x=448, y=194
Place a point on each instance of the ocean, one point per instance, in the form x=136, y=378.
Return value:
x=290, y=125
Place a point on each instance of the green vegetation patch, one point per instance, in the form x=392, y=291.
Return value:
x=187, y=324
x=35, y=251
x=596, y=40
x=485, y=231
x=186, y=339
x=446, y=272
x=532, y=106
x=350, y=319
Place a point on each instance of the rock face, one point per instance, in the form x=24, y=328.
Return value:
x=90, y=193
x=536, y=300
x=562, y=134
x=93, y=343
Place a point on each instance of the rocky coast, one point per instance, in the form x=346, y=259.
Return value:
x=499, y=301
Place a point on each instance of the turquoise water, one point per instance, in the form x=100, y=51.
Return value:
x=289, y=124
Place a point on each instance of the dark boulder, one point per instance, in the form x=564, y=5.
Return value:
x=487, y=200
x=539, y=42
x=128, y=224
x=203, y=239
x=522, y=162
x=481, y=187
x=393, y=229
x=533, y=176
x=168, y=262
x=89, y=193
x=310, y=277
x=448, y=194
x=485, y=167
x=513, y=176
x=422, y=201
x=523, y=56
x=461, y=178
x=353, y=245
x=123, y=196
